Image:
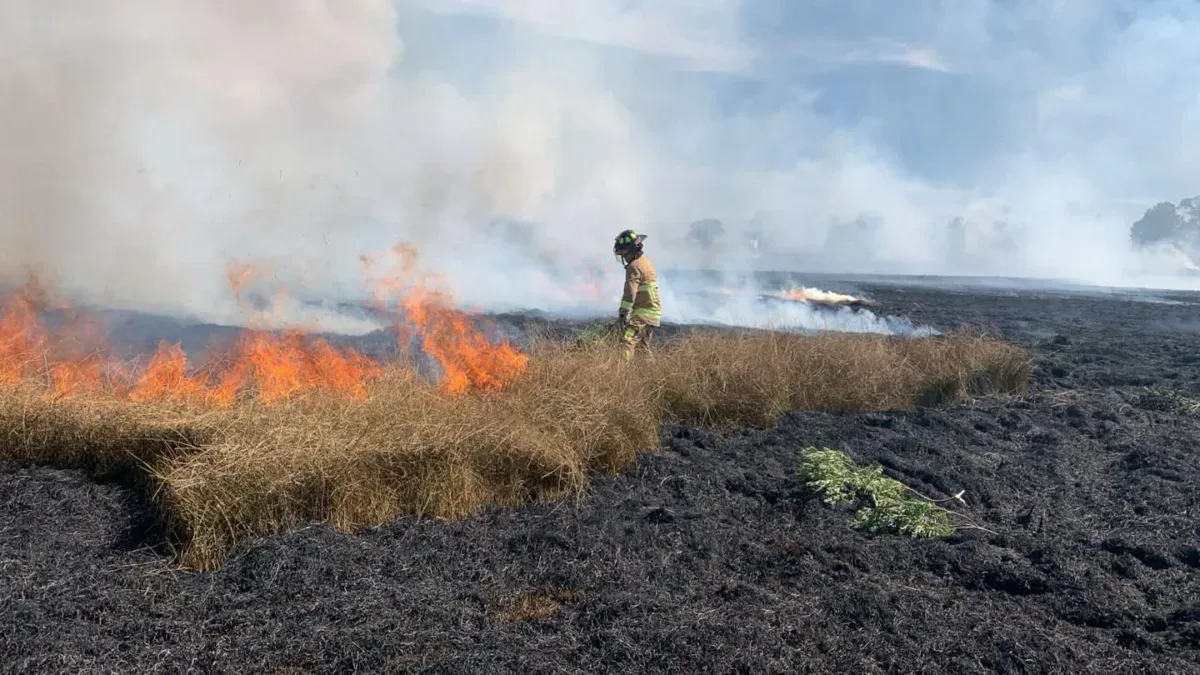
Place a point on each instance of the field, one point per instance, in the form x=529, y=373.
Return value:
x=705, y=555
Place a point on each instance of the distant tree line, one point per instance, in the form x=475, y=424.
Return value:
x=1168, y=223
x=1163, y=223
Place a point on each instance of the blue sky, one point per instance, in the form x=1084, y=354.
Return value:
x=954, y=89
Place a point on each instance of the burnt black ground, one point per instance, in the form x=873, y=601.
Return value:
x=705, y=557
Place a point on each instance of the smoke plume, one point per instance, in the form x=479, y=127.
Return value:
x=146, y=144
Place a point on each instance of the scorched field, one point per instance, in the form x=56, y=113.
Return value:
x=545, y=510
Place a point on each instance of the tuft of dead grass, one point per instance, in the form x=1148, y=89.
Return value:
x=749, y=379
x=111, y=438
x=222, y=476
x=537, y=606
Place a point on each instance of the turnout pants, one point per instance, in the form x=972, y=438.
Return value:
x=636, y=336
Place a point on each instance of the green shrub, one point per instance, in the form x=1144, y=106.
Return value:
x=888, y=506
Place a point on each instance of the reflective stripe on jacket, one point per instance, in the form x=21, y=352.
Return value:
x=640, y=299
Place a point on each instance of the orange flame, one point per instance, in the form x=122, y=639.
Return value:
x=26, y=349
x=270, y=367
x=167, y=379
x=818, y=295
x=78, y=376
x=22, y=338
x=468, y=360
x=275, y=368
x=280, y=367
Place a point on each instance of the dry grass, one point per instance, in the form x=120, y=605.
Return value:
x=537, y=606
x=222, y=476
x=750, y=379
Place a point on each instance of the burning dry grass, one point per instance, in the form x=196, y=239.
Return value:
x=221, y=474
x=284, y=429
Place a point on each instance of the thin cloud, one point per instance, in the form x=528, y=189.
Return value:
x=664, y=29
x=652, y=28
x=864, y=52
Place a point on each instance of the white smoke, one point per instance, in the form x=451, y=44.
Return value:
x=146, y=143
x=749, y=311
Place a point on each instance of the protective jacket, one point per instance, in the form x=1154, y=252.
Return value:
x=640, y=303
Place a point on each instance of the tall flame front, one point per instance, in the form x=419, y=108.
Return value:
x=265, y=365
x=467, y=358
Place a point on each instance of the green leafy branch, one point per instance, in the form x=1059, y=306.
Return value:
x=890, y=506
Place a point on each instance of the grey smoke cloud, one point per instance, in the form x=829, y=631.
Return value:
x=145, y=144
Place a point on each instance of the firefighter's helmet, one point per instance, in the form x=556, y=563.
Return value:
x=627, y=242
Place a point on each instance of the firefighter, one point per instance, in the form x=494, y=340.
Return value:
x=640, y=311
